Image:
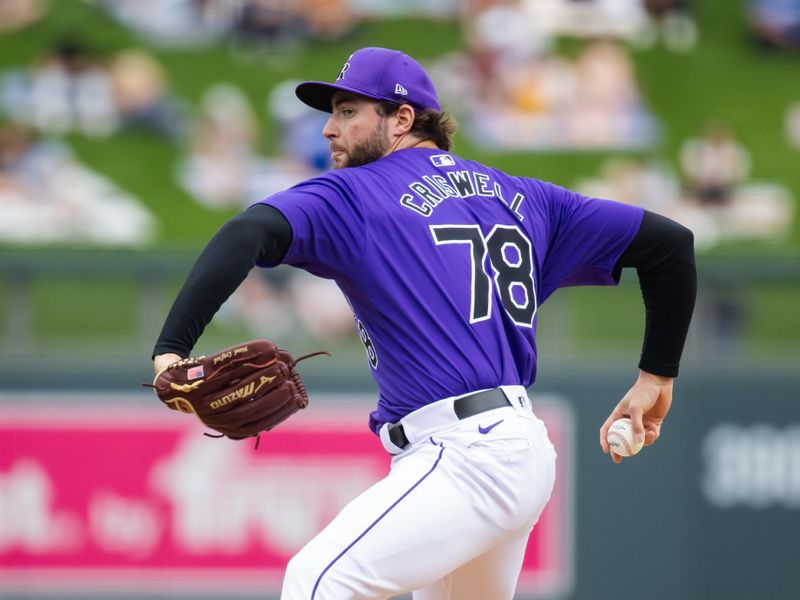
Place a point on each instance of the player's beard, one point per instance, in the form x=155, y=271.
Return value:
x=371, y=149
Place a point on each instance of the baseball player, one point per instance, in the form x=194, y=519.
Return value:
x=445, y=263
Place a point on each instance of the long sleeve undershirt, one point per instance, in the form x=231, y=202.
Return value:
x=662, y=253
x=261, y=235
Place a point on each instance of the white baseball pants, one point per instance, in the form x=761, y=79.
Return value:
x=449, y=522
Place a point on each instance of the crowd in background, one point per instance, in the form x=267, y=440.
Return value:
x=515, y=91
x=193, y=22
x=548, y=102
x=47, y=196
x=711, y=193
x=223, y=166
x=69, y=89
x=511, y=88
x=775, y=23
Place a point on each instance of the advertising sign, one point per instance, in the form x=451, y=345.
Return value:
x=105, y=496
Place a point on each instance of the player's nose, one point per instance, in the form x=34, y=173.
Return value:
x=329, y=131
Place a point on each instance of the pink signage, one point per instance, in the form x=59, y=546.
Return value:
x=111, y=496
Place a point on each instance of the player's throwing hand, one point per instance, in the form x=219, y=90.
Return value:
x=647, y=404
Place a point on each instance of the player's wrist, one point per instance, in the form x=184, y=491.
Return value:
x=653, y=378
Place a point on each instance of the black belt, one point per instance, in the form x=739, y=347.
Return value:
x=466, y=406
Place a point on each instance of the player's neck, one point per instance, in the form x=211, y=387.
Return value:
x=409, y=141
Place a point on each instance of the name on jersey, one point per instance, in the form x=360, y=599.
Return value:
x=432, y=190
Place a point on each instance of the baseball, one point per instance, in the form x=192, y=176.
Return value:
x=620, y=438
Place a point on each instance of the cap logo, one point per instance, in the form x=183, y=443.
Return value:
x=344, y=70
x=399, y=89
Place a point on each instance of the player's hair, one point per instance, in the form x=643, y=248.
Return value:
x=436, y=126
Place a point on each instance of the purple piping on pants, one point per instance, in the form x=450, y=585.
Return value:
x=375, y=522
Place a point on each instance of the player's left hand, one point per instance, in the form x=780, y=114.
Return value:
x=647, y=404
x=162, y=361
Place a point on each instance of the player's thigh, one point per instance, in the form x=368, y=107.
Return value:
x=493, y=575
x=382, y=543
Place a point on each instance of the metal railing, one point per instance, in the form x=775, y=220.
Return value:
x=747, y=311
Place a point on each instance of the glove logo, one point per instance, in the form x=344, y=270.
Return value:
x=265, y=380
x=186, y=387
x=242, y=392
x=182, y=405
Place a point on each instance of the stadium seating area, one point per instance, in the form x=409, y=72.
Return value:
x=155, y=124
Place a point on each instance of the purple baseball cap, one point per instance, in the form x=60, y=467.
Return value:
x=377, y=73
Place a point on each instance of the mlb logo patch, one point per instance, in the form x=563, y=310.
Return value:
x=195, y=373
x=442, y=160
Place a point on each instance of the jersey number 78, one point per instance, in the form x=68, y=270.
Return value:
x=509, y=253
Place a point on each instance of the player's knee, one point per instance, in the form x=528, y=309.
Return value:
x=307, y=578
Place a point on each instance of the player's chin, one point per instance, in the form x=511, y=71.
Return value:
x=339, y=160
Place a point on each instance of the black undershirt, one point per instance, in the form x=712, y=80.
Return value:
x=662, y=253
x=260, y=235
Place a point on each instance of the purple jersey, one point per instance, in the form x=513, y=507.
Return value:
x=444, y=262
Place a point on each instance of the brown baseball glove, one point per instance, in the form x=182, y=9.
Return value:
x=239, y=391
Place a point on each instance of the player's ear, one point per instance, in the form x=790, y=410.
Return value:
x=405, y=119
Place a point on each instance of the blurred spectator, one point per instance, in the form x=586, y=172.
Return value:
x=392, y=8
x=775, y=23
x=594, y=18
x=793, y=125
x=714, y=164
x=543, y=101
x=291, y=22
x=505, y=30
x=300, y=129
x=222, y=147
x=504, y=38
x=224, y=168
x=716, y=167
x=606, y=94
x=141, y=95
x=289, y=303
x=20, y=158
x=328, y=19
x=754, y=209
x=649, y=183
x=274, y=21
x=672, y=22
x=16, y=14
x=67, y=90
x=320, y=306
x=176, y=22
x=653, y=185
x=46, y=196
x=201, y=22
x=261, y=302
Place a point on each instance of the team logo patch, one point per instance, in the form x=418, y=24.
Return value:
x=344, y=70
x=442, y=160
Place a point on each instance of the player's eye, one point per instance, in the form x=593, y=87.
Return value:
x=348, y=112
